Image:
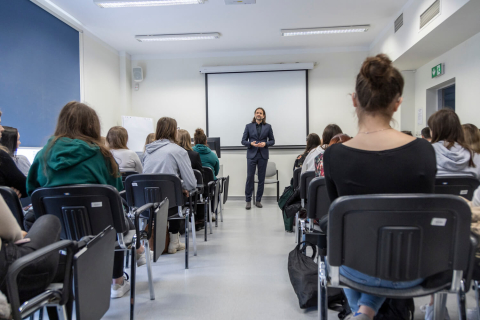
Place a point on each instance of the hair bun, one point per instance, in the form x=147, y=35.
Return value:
x=199, y=131
x=376, y=70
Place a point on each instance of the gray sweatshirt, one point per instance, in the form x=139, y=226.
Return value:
x=127, y=160
x=455, y=161
x=164, y=156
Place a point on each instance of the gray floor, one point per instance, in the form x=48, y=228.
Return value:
x=240, y=273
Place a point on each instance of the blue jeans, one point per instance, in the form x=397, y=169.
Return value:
x=357, y=299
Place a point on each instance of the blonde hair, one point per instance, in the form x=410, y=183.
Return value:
x=184, y=139
x=472, y=136
x=150, y=139
x=117, y=138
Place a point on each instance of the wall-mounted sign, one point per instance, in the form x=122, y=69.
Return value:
x=438, y=70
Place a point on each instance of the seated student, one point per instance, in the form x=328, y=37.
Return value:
x=209, y=158
x=165, y=156
x=313, y=141
x=472, y=136
x=426, y=134
x=76, y=155
x=339, y=138
x=328, y=133
x=454, y=155
x=11, y=140
x=128, y=160
x=382, y=162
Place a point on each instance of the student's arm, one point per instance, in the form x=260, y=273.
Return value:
x=13, y=177
x=271, y=139
x=9, y=228
x=245, y=138
x=138, y=163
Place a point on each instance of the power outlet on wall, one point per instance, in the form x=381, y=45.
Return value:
x=136, y=86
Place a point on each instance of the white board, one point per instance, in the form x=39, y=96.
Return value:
x=138, y=129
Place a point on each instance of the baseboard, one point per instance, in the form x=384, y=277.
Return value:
x=264, y=198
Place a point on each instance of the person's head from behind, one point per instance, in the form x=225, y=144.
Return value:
x=378, y=90
x=166, y=129
x=1, y=128
x=150, y=138
x=445, y=126
x=426, y=134
x=339, y=138
x=313, y=141
x=472, y=136
x=260, y=115
x=199, y=137
x=184, y=139
x=329, y=132
x=10, y=139
x=117, y=138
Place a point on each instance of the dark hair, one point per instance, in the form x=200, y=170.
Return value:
x=472, y=136
x=378, y=84
x=264, y=116
x=166, y=129
x=9, y=140
x=328, y=133
x=117, y=138
x=313, y=141
x=426, y=133
x=339, y=138
x=446, y=127
x=184, y=139
x=407, y=132
x=78, y=121
x=199, y=137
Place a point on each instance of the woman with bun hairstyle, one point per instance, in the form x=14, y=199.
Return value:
x=377, y=160
x=209, y=158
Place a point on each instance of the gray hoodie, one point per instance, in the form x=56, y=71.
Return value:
x=455, y=161
x=164, y=156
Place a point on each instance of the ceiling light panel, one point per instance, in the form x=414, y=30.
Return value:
x=142, y=3
x=324, y=30
x=178, y=37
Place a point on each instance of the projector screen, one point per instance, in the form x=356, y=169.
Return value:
x=233, y=97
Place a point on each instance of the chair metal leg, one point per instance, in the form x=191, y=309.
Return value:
x=322, y=291
x=210, y=218
x=62, y=312
x=186, y=242
x=296, y=227
x=216, y=213
x=127, y=259
x=40, y=314
x=149, y=269
x=278, y=191
x=477, y=297
x=194, y=235
x=205, y=211
x=221, y=208
x=462, y=308
x=439, y=303
x=133, y=276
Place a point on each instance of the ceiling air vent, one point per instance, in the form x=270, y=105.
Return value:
x=430, y=13
x=399, y=22
x=230, y=2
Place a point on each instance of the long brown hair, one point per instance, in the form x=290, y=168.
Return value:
x=199, y=137
x=117, y=138
x=446, y=127
x=166, y=129
x=329, y=132
x=150, y=139
x=79, y=121
x=264, y=116
x=472, y=136
x=313, y=141
x=184, y=139
x=378, y=84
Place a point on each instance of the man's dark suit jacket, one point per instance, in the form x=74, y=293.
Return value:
x=250, y=134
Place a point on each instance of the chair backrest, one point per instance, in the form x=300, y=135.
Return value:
x=83, y=210
x=126, y=174
x=208, y=175
x=318, y=199
x=149, y=188
x=215, y=196
x=270, y=171
x=296, y=177
x=198, y=176
x=399, y=237
x=13, y=203
x=304, y=182
x=463, y=186
x=225, y=189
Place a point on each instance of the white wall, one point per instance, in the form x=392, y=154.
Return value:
x=175, y=88
x=463, y=64
x=408, y=104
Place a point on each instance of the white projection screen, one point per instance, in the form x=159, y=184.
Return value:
x=233, y=97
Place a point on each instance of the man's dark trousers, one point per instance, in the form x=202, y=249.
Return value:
x=251, y=168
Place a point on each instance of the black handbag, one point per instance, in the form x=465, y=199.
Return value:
x=303, y=272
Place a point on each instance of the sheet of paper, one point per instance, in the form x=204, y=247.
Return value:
x=420, y=116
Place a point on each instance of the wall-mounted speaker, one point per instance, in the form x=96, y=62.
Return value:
x=137, y=74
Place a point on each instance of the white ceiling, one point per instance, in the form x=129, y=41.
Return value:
x=242, y=27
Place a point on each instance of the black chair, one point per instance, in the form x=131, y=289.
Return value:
x=225, y=189
x=13, y=203
x=126, y=174
x=463, y=186
x=144, y=188
x=203, y=199
x=405, y=237
x=212, y=194
x=296, y=177
x=305, y=179
x=317, y=209
x=221, y=197
x=86, y=210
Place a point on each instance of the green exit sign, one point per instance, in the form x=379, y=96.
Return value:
x=438, y=70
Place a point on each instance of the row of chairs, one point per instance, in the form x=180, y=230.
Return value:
x=398, y=237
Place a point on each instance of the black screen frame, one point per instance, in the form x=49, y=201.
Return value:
x=273, y=147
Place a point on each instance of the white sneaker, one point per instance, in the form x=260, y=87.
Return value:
x=175, y=244
x=429, y=313
x=119, y=290
x=472, y=314
x=142, y=259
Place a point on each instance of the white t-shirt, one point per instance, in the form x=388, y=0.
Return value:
x=127, y=160
x=309, y=163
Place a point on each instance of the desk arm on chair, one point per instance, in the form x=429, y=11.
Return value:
x=152, y=207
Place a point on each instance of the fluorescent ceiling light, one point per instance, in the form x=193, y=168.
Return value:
x=142, y=3
x=178, y=37
x=324, y=30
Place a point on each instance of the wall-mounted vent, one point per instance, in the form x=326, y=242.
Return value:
x=430, y=13
x=399, y=22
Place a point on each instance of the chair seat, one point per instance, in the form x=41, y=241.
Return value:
x=417, y=291
x=128, y=239
x=177, y=216
x=269, y=181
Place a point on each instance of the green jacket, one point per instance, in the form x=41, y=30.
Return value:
x=209, y=158
x=70, y=161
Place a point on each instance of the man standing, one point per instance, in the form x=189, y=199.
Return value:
x=257, y=137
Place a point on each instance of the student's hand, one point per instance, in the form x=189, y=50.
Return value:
x=254, y=143
x=24, y=234
x=186, y=193
x=17, y=192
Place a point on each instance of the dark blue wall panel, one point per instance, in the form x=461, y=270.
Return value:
x=39, y=69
